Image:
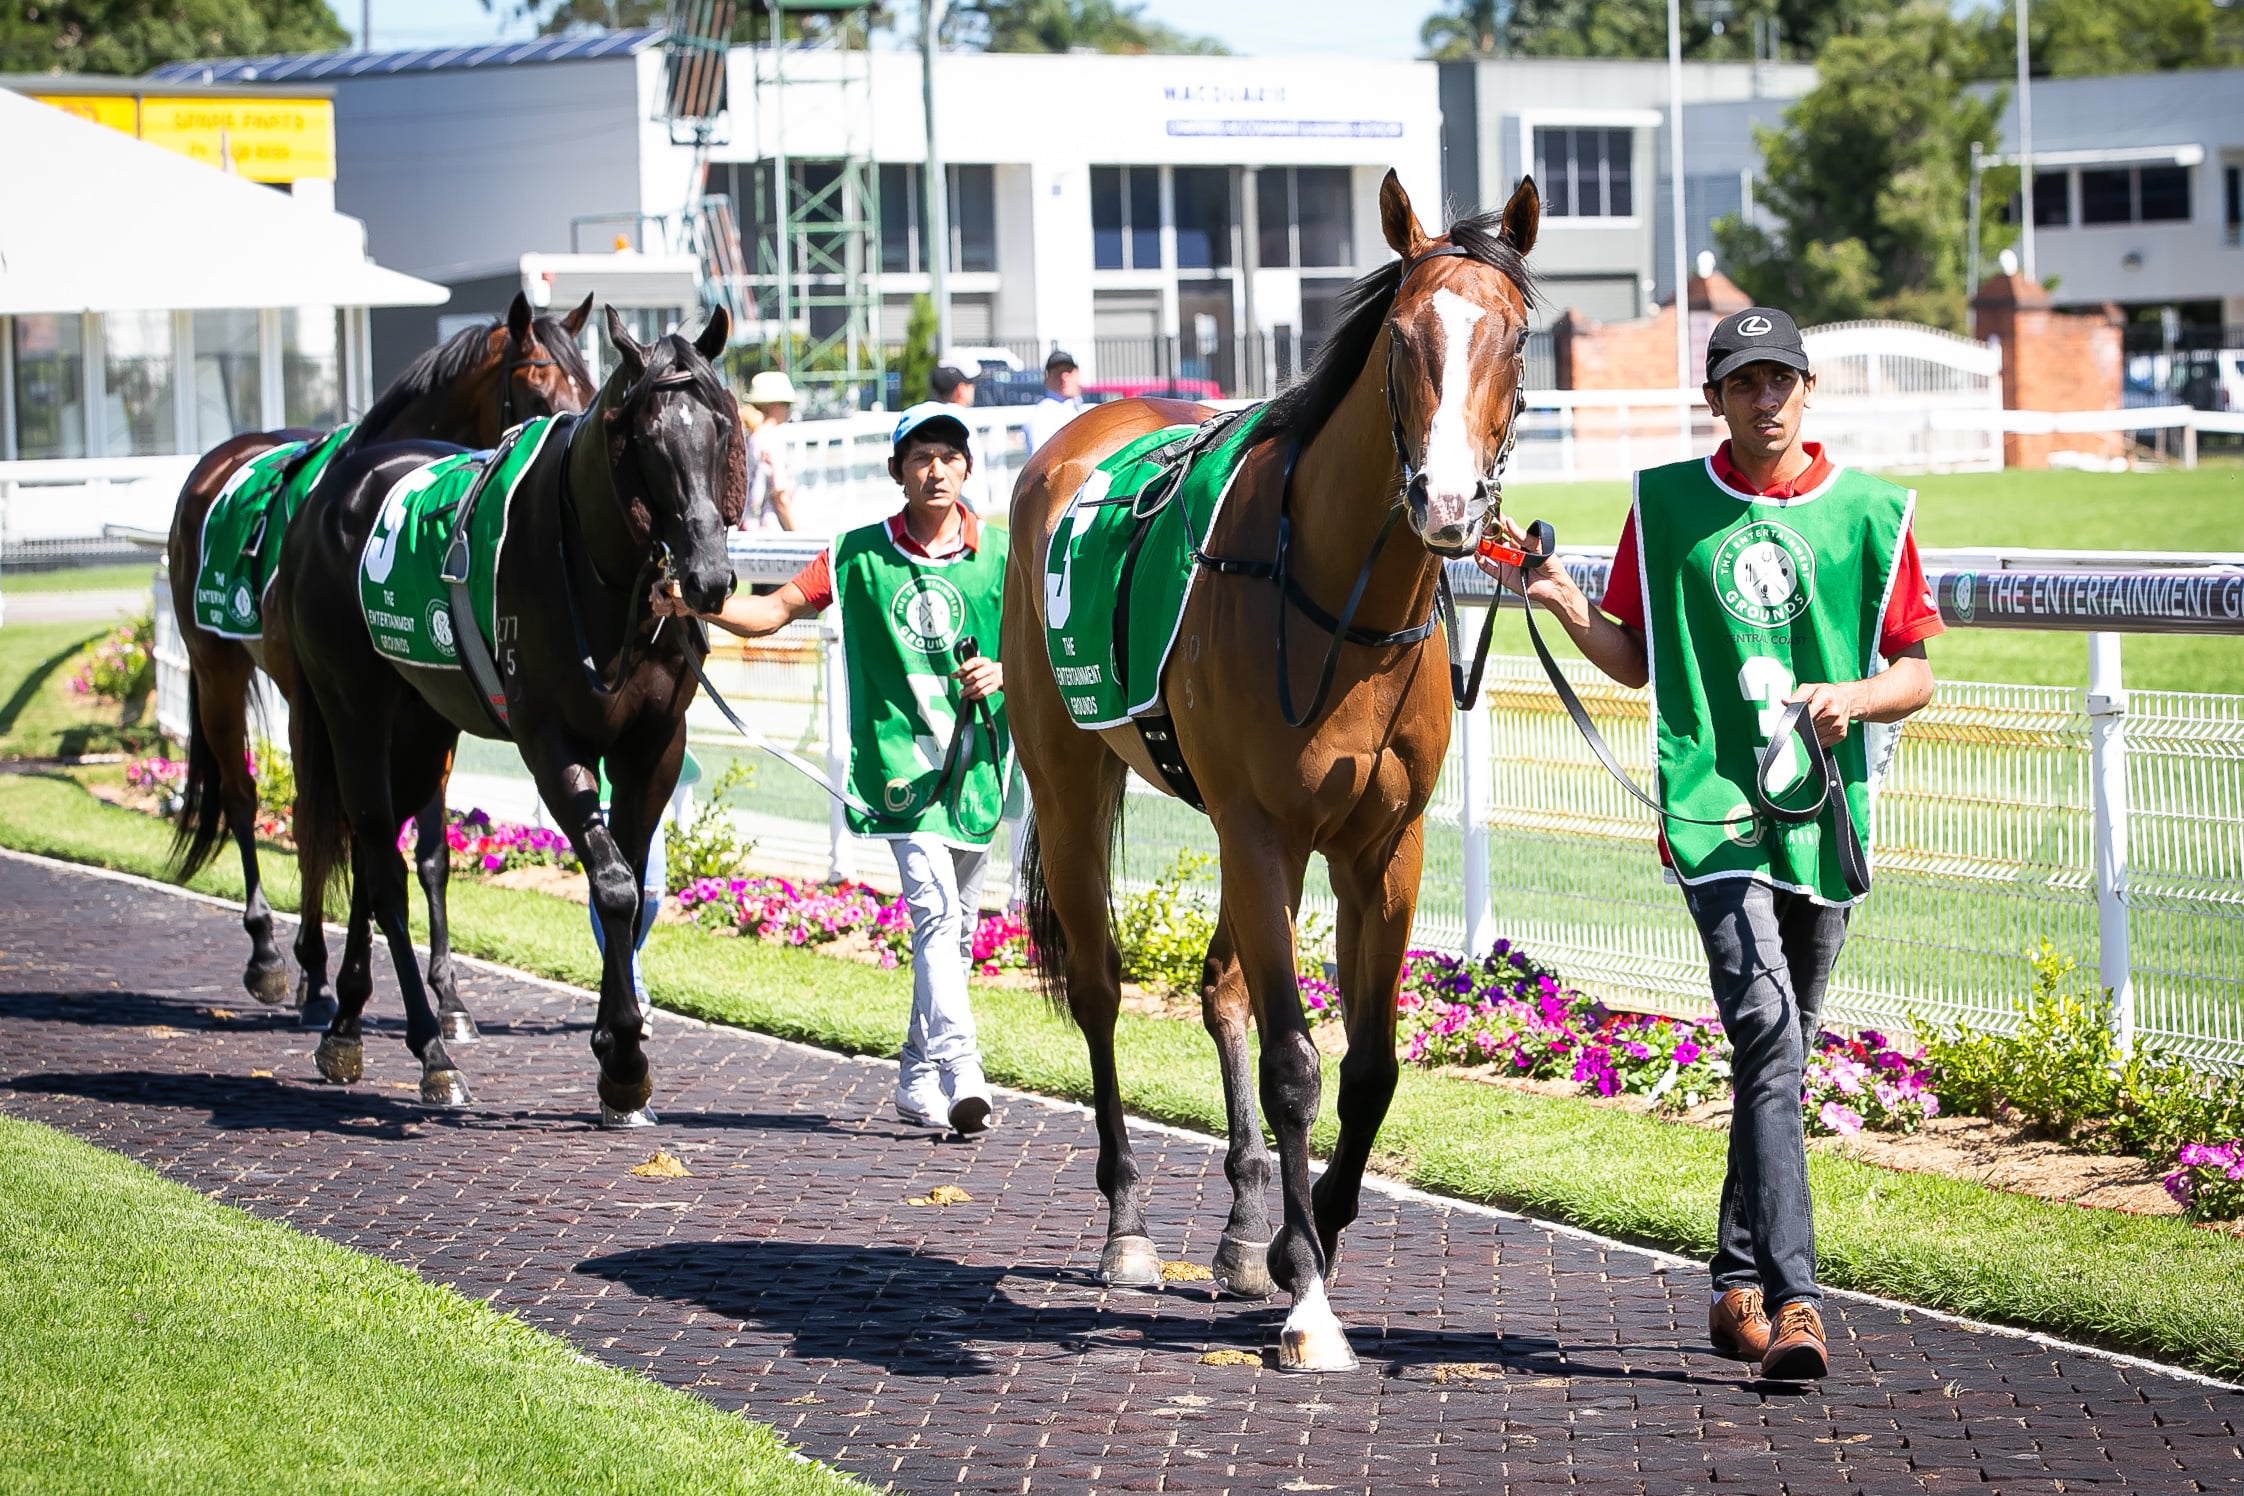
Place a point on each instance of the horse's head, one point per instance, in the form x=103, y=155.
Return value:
x=1456, y=361
x=537, y=367
x=677, y=451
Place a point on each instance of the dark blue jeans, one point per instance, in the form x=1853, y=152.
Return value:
x=1768, y=956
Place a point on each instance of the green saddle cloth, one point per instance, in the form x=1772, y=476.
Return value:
x=1108, y=648
x=242, y=532
x=401, y=586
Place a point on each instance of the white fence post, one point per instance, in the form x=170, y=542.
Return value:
x=834, y=687
x=2107, y=736
x=1475, y=805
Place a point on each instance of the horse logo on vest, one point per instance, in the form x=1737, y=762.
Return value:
x=927, y=612
x=1764, y=575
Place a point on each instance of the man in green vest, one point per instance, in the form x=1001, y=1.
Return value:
x=1762, y=576
x=930, y=758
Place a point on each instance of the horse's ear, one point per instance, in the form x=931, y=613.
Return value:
x=714, y=334
x=1405, y=235
x=629, y=350
x=573, y=322
x=1523, y=215
x=518, y=320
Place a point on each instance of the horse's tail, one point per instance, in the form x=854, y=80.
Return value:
x=322, y=826
x=1047, y=936
x=201, y=823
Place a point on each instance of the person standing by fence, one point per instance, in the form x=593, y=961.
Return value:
x=1062, y=402
x=930, y=756
x=1762, y=576
x=952, y=383
x=771, y=481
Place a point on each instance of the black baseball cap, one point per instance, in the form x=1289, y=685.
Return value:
x=1059, y=360
x=1757, y=335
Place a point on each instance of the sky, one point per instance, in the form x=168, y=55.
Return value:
x=1382, y=29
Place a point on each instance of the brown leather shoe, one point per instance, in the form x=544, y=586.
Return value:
x=1736, y=1325
x=1797, y=1352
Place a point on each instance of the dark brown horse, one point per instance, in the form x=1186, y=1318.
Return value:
x=644, y=484
x=1409, y=405
x=469, y=389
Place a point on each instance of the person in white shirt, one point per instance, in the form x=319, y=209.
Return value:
x=1062, y=402
x=952, y=383
x=771, y=483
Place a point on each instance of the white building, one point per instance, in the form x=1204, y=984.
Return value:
x=150, y=307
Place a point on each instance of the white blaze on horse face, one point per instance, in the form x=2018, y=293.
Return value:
x=1451, y=470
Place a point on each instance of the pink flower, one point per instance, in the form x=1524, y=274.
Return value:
x=1841, y=1120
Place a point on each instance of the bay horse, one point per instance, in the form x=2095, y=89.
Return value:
x=468, y=389
x=1409, y=407
x=642, y=486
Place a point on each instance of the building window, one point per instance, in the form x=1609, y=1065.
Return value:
x=1126, y=217
x=903, y=218
x=140, y=384
x=311, y=367
x=1586, y=173
x=2053, y=199
x=2148, y=194
x=1304, y=216
x=2232, y=178
x=1203, y=214
x=226, y=390
x=973, y=218
x=50, y=387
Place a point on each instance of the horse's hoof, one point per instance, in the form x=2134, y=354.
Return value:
x=341, y=1061
x=619, y=1096
x=1242, y=1268
x=446, y=1087
x=1130, y=1262
x=623, y=1121
x=317, y=1012
x=1313, y=1339
x=267, y=984
x=458, y=1026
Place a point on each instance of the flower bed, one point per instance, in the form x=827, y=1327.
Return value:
x=480, y=845
x=781, y=911
x=2209, y=1185
x=120, y=667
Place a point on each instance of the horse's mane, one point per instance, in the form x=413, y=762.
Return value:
x=671, y=361
x=457, y=357
x=1304, y=407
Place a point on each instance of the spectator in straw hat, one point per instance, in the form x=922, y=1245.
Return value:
x=771, y=484
x=952, y=383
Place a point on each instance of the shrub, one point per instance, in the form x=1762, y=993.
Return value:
x=1164, y=931
x=2210, y=1182
x=709, y=846
x=478, y=845
x=165, y=778
x=121, y=666
x=1864, y=1082
x=276, y=785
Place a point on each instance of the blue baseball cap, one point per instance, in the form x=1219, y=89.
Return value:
x=936, y=417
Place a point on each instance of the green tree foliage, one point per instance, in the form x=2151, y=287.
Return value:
x=917, y=359
x=1712, y=29
x=1067, y=26
x=1868, y=180
x=132, y=36
x=2076, y=38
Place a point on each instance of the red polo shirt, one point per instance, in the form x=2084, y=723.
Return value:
x=1911, y=616
x=817, y=579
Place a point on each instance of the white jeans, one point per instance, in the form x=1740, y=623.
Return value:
x=943, y=887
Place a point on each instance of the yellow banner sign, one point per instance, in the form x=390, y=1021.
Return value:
x=265, y=139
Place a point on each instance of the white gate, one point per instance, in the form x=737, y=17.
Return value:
x=1888, y=395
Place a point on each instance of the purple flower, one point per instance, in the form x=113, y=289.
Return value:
x=1686, y=1054
x=1841, y=1120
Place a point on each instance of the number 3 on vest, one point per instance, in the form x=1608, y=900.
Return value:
x=1765, y=682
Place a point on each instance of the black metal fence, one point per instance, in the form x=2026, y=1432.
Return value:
x=2195, y=364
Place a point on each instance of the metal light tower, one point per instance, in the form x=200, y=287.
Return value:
x=2025, y=154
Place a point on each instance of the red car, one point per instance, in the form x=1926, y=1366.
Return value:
x=1163, y=389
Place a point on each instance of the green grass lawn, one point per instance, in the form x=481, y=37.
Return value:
x=39, y=718
x=80, y=578
x=158, y=1342
x=2173, y=510
x=2152, y=1286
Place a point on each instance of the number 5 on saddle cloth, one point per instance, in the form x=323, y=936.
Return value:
x=1121, y=566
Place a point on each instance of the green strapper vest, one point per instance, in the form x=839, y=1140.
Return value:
x=1745, y=601
x=902, y=618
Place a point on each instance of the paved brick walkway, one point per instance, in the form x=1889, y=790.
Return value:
x=968, y=1348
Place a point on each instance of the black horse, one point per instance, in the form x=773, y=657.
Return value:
x=643, y=485
x=469, y=389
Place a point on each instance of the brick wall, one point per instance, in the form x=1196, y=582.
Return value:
x=2051, y=361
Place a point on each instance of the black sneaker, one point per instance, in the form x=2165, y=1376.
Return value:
x=971, y=1116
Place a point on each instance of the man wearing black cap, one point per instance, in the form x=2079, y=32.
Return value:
x=1062, y=402
x=1761, y=576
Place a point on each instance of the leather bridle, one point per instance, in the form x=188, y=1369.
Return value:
x=510, y=364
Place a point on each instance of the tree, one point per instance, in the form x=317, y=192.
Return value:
x=916, y=360
x=132, y=36
x=2074, y=38
x=1469, y=28
x=751, y=21
x=1868, y=179
x=1712, y=29
x=1067, y=26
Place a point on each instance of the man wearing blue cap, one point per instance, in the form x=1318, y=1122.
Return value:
x=930, y=758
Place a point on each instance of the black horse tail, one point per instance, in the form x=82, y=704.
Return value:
x=1046, y=935
x=322, y=826
x=201, y=823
